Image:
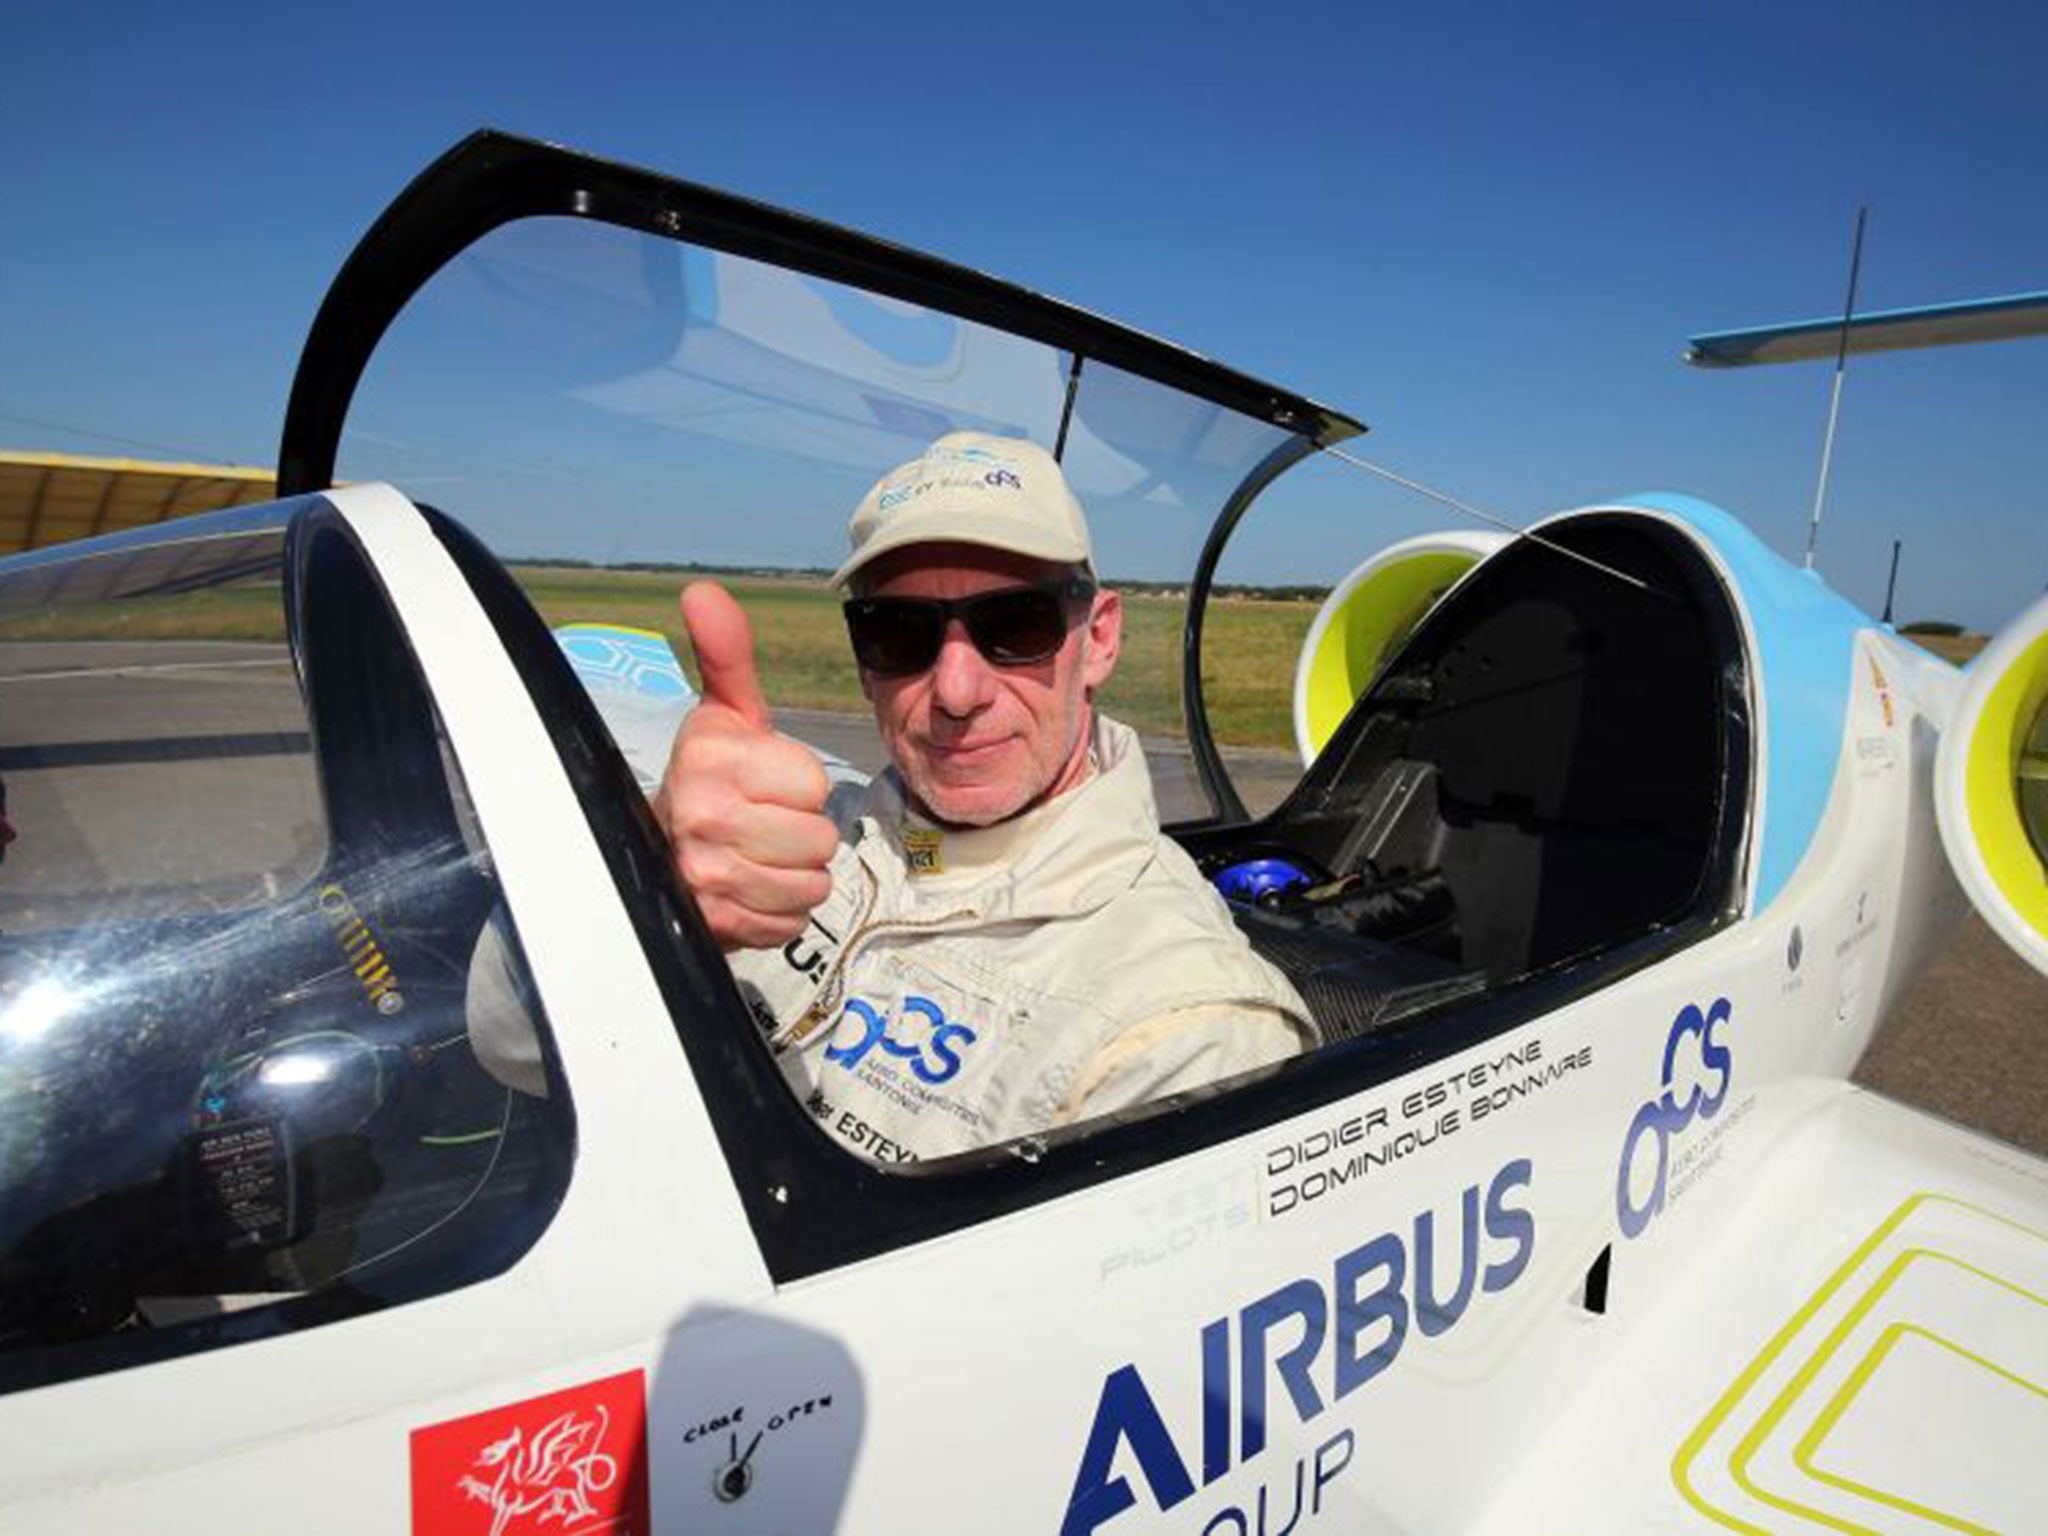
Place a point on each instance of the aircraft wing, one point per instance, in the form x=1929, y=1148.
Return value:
x=1892, y=330
x=1861, y=1348
x=642, y=694
x=638, y=686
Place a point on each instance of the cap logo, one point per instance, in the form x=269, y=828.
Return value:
x=971, y=488
x=949, y=478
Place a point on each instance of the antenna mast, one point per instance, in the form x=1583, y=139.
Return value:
x=1827, y=447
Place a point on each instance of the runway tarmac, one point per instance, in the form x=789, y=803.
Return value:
x=1969, y=1041
x=118, y=757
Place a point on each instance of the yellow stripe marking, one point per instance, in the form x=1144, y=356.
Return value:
x=1782, y=1404
x=1696, y=1442
x=1803, y=1454
x=617, y=629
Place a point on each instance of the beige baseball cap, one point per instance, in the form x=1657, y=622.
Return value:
x=972, y=488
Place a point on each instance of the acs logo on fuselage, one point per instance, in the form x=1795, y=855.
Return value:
x=1667, y=1116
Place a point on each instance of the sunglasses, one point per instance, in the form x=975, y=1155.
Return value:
x=1012, y=627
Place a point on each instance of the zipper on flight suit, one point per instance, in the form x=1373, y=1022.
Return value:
x=825, y=1004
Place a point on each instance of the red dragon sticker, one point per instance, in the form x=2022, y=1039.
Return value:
x=572, y=1463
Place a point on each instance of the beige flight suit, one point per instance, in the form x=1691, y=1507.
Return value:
x=959, y=988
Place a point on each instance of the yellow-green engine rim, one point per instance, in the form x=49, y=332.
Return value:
x=1377, y=616
x=1997, y=762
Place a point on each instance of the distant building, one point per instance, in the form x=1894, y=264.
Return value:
x=52, y=498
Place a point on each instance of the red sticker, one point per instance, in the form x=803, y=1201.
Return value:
x=572, y=1463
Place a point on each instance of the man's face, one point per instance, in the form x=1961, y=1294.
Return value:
x=977, y=742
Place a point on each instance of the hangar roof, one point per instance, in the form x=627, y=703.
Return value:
x=49, y=498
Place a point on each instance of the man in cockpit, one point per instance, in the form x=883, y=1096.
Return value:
x=1000, y=941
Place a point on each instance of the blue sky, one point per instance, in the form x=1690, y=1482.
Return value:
x=1486, y=229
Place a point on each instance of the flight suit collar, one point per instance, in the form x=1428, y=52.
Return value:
x=1062, y=859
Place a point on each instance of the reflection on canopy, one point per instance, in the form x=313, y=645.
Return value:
x=714, y=408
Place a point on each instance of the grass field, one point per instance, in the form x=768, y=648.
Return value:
x=1249, y=645
x=800, y=640
x=249, y=612
x=1955, y=648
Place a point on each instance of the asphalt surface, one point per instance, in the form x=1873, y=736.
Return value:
x=175, y=774
x=179, y=775
x=1969, y=1041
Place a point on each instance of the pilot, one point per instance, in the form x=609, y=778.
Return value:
x=998, y=940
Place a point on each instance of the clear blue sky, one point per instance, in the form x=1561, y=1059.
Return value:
x=1486, y=229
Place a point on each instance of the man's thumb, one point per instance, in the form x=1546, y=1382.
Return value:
x=724, y=643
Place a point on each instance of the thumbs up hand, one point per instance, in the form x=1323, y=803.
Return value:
x=743, y=808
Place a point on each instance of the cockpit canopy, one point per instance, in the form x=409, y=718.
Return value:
x=237, y=1093
x=587, y=364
